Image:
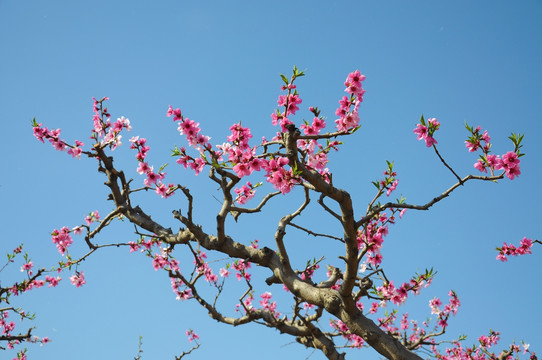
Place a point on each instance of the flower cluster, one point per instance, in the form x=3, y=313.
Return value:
x=398, y=295
x=178, y=288
x=92, y=217
x=240, y=155
x=444, y=313
x=354, y=341
x=269, y=305
x=425, y=131
x=371, y=238
x=277, y=175
x=290, y=102
x=348, y=110
x=190, y=129
x=488, y=341
x=241, y=266
x=192, y=336
x=389, y=183
x=309, y=270
x=164, y=260
x=509, y=162
x=62, y=239
x=196, y=164
x=53, y=136
x=478, y=139
x=104, y=129
x=78, y=279
x=317, y=155
x=318, y=123
x=481, y=351
x=203, y=267
x=511, y=250
x=245, y=193
x=143, y=168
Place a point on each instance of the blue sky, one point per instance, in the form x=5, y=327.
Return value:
x=219, y=61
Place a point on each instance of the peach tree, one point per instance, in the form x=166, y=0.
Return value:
x=328, y=310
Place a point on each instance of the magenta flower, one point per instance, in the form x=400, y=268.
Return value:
x=511, y=173
x=144, y=168
x=152, y=177
x=191, y=335
x=510, y=160
x=480, y=166
x=176, y=113
x=430, y=141
x=494, y=161
x=421, y=131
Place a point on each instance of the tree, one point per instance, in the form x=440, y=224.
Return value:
x=347, y=302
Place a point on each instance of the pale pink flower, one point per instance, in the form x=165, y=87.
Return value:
x=78, y=279
x=224, y=272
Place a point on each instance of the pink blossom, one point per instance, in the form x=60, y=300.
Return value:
x=197, y=165
x=242, y=169
x=62, y=239
x=78, y=279
x=159, y=262
x=176, y=113
x=52, y=281
x=511, y=173
x=75, y=152
x=494, y=161
x=430, y=141
x=27, y=266
x=133, y=246
x=163, y=190
x=244, y=193
x=224, y=272
x=421, y=131
x=144, y=168
x=151, y=179
x=510, y=160
x=509, y=249
x=191, y=335
x=435, y=304
x=480, y=166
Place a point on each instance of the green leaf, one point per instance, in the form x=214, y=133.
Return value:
x=298, y=73
x=162, y=168
x=422, y=121
x=176, y=151
x=284, y=79
x=355, y=129
x=215, y=164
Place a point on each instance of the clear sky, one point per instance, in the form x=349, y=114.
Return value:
x=219, y=61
